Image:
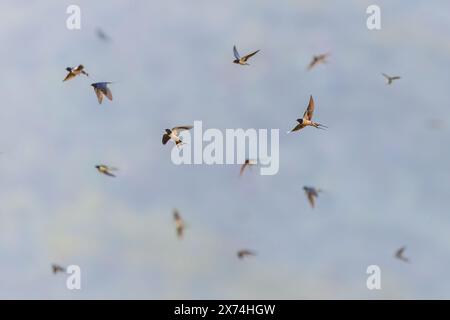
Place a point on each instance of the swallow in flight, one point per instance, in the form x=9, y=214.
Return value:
x=73, y=72
x=242, y=60
x=307, y=118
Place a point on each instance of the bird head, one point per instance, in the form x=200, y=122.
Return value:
x=300, y=121
x=68, y=69
x=168, y=131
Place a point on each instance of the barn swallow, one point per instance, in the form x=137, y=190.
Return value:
x=242, y=60
x=101, y=89
x=399, y=254
x=102, y=35
x=106, y=169
x=241, y=254
x=174, y=135
x=311, y=194
x=321, y=58
x=73, y=72
x=307, y=118
x=390, y=79
x=57, y=268
x=248, y=162
x=179, y=223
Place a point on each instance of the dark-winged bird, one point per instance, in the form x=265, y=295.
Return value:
x=311, y=194
x=179, y=224
x=73, y=72
x=241, y=254
x=101, y=89
x=307, y=118
x=106, y=169
x=390, y=79
x=173, y=134
x=242, y=60
x=57, y=268
x=399, y=254
x=321, y=58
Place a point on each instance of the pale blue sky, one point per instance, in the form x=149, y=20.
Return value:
x=384, y=171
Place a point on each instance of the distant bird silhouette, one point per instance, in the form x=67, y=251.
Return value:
x=179, y=223
x=321, y=58
x=173, y=134
x=241, y=254
x=390, y=79
x=242, y=60
x=57, y=268
x=73, y=72
x=104, y=169
x=311, y=194
x=307, y=118
x=101, y=89
x=102, y=35
x=399, y=254
x=248, y=162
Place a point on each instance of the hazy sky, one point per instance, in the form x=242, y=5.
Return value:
x=385, y=172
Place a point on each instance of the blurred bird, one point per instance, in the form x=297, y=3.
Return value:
x=73, y=72
x=242, y=60
x=102, y=35
x=311, y=194
x=179, y=224
x=57, y=268
x=390, y=79
x=399, y=254
x=248, y=162
x=106, y=169
x=245, y=252
x=174, y=135
x=101, y=89
x=321, y=58
x=307, y=118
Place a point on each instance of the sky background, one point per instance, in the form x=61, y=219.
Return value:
x=384, y=170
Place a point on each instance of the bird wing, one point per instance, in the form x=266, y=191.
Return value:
x=108, y=93
x=236, y=53
x=386, y=76
x=311, y=198
x=298, y=127
x=399, y=253
x=310, y=109
x=181, y=128
x=70, y=75
x=245, y=58
x=242, y=169
x=313, y=63
x=165, y=138
x=99, y=94
x=395, y=78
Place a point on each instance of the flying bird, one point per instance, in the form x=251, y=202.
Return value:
x=73, y=72
x=242, y=60
x=399, y=254
x=307, y=118
x=173, y=134
x=390, y=79
x=57, y=268
x=248, y=162
x=179, y=224
x=106, y=169
x=311, y=194
x=321, y=58
x=241, y=254
x=102, y=35
x=101, y=89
